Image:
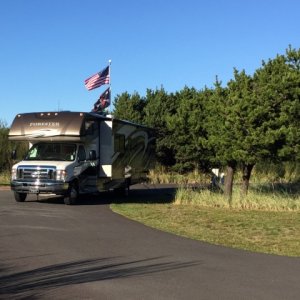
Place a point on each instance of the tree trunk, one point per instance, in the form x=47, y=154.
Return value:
x=229, y=182
x=247, y=169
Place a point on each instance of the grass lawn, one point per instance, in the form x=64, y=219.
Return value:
x=276, y=232
x=5, y=178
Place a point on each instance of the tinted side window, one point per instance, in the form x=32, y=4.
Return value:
x=81, y=153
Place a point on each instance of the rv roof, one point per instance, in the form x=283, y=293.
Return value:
x=45, y=125
x=50, y=125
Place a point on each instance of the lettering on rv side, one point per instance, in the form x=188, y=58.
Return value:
x=44, y=124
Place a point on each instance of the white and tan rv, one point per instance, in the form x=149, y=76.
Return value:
x=73, y=153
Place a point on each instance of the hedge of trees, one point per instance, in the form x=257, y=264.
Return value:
x=253, y=118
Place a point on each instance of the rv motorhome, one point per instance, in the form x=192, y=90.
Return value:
x=71, y=153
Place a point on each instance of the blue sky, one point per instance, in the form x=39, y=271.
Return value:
x=48, y=47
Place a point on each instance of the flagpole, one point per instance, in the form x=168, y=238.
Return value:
x=109, y=64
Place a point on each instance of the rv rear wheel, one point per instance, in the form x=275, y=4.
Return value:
x=20, y=197
x=72, y=195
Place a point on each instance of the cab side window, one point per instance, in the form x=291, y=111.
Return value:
x=81, y=153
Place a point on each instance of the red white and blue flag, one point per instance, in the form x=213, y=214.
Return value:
x=98, y=79
x=103, y=101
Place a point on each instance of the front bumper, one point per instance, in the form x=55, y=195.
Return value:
x=39, y=187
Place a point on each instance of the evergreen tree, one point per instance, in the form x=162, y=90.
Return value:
x=277, y=95
x=129, y=107
x=160, y=105
x=187, y=127
x=245, y=126
x=6, y=148
x=221, y=136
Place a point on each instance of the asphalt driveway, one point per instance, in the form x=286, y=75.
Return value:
x=52, y=251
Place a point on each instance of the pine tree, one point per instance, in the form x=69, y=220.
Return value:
x=160, y=105
x=129, y=107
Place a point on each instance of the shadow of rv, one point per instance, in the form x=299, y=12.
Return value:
x=143, y=193
x=140, y=193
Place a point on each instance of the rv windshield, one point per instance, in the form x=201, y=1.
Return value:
x=52, y=151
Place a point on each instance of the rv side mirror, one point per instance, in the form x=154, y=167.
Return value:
x=14, y=154
x=92, y=155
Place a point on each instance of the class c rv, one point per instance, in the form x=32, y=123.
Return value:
x=73, y=153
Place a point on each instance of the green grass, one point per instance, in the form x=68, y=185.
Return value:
x=267, y=221
x=5, y=178
x=259, y=231
x=260, y=197
x=161, y=176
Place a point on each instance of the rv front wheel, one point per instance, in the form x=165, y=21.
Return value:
x=20, y=197
x=72, y=195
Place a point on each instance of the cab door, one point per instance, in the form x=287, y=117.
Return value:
x=85, y=171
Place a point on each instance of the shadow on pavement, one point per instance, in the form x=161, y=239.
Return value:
x=31, y=283
x=138, y=194
x=148, y=194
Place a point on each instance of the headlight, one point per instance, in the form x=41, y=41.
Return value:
x=61, y=174
x=13, y=174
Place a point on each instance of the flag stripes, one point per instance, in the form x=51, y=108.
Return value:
x=98, y=79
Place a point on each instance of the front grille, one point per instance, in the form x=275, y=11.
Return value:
x=36, y=172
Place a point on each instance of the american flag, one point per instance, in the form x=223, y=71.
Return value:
x=98, y=79
x=103, y=101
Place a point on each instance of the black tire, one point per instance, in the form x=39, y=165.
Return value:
x=72, y=196
x=20, y=197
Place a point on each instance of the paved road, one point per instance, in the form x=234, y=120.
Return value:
x=52, y=251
